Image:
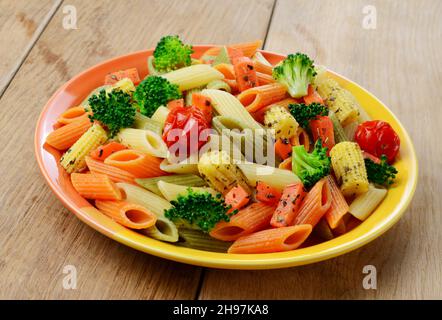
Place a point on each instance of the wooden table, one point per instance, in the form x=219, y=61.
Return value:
x=399, y=61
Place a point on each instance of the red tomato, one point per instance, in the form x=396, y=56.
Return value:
x=190, y=120
x=377, y=138
x=267, y=194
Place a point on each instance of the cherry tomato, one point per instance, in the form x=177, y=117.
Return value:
x=377, y=138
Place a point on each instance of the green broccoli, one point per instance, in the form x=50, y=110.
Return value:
x=199, y=209
x=113, y=109
x=310, y=167
x=155, y=91
x=380, y=173
x=171, y=54
x=296, y=72
x=304, y=113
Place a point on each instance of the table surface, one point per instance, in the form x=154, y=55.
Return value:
x=398, y=61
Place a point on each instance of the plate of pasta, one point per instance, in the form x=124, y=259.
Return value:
x=226, y=156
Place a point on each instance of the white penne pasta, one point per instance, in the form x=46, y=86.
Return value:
x=74, y=159
x=227, y=104
x=259, y=57
x=350, y=130
x=160, y=115
x=275, y=177
x=144, y=141
x=151, y=184
x=185, y=166
x=171, y=191
x=363, y=205
x=146, y=123
x=164, y=229
x=193, y=76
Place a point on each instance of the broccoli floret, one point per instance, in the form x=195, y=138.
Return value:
x=380, y=173
x=171, y=54
x=304, y=113
x=310, y=167
x=155, y=91
x=199, y=209
x=296, y=72
x=113, y=109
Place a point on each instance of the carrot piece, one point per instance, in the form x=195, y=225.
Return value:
x=322, y=128
x=264, y=78
x=338, y=207
x=141, y=165
x=315, y=204
x=226, y=69
x=288, y=206
x=267, y=194
x=128, y=214
x=263, y=68
x=312, y=96
x=67, y=135
x=95, y=186
x=114, y=77
x=72, y=114
x=114, y=173
x=177, y=103
x=256, y=98
x=272, y=240
x=245, y=73
x=252, y=218
x=234, y=54
x=203, y=103
x=237, y=197
x=259, y=115
x=104, y=151
x=283, y=148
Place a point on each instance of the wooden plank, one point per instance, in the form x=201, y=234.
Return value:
x=27, y=20
x=398, y=62
x=38, y=236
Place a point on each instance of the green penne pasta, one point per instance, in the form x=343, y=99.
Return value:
x=340, y=135
x=196, y=239
x=190, y=180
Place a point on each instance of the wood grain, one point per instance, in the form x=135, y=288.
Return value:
x=399, y=62
x=38, y=237
x=21, y=22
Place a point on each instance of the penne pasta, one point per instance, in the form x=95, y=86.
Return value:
x=218, y=85
x=72, y=114
x=73, y=160
x=183, y=167
x=146, y=123
x=253, y=218
x=193, y=76
x=350, y=130
x=171, y=191
x=190, y=180
x=160, y=115
x=338, y=205
x=195, y=239
x=226, y=69
x=248, y=49
x=127, y=214
x=140, y=164
x=65, y=136
x=315, y=204
x=256, y=98
x=95, y=186
x=143, y=140
x=264, y=79
x=338, y=130
x=114, y=173
x=272, y=240
x=364, y=204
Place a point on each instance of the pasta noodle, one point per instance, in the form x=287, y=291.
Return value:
x=72, y=114
x=171, y=191
x=160, y=115
x=338, y=205
x=364, y=204
x=190, y=180
x=146, y=123
x=128, y=214
x=143, y=140
x=185, y=166
x=65, y=136
x=194, y=76
x=191, y=238
x=95, y=186
x=114, y=173
x=258, y=97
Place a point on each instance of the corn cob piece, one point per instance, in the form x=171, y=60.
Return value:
x=349, y=167
x=125, y=85
x=337, y=99
x=218, y=169
x=74, y=158
x=284, y=124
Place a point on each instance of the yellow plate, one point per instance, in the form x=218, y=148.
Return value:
x=387, y=214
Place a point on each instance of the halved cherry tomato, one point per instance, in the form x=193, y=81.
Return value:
x=377, y=138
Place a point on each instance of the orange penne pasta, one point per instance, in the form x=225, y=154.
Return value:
x=272, y=240
x=301, y=139
x=315, y=204
x=264, y=79
x=338, y=207
x=141, y=165
x=67, y=135
x=114, y=173
x=286, y=164
x=226, y=69
x=232, y=84
x=258, y=97
x=128, y=214
x=263, y=68
x=95, y=186
x=259, y=115
x=250, y=219
x=248, y=48
x=72, y=114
